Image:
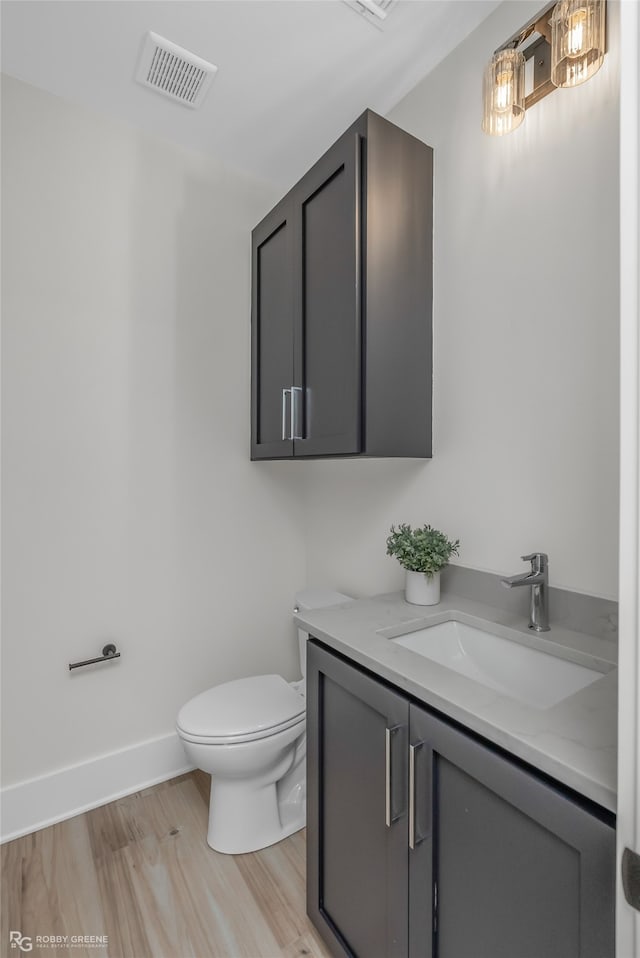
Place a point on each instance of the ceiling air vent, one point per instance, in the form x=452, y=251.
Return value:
x=374, y=11
x=174, y=72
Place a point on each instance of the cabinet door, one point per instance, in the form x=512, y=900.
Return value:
x=272, y=335
x=357, y=856
x=328, y=338
x=504, y=864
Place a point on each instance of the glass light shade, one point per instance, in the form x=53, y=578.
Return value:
x=577, y=41
x=503, y=92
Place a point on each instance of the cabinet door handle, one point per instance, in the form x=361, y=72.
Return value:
x=284, y=413
x=413, y=749
x=296, y=398
x=389, y=818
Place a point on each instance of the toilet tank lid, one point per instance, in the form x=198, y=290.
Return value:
x=319, y=598
x=240, y=707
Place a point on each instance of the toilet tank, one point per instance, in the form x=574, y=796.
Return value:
x=314, y=599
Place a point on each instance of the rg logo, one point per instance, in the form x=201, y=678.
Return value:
x=20, y=941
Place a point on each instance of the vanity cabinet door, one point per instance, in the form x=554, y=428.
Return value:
x=357, y=853
x=504, y=865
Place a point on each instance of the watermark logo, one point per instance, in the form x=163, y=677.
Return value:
x=20, y=941
x=26, y=943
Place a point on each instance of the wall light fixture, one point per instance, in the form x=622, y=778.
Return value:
x=562, y=46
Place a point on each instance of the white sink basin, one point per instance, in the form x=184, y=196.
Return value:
x=529, y=675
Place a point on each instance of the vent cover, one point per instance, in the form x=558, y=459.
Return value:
x=174, y=72
x=374, y=11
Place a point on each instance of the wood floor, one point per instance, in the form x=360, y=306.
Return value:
x=139, y=870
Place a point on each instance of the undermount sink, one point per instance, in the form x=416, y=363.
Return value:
x=532, y=676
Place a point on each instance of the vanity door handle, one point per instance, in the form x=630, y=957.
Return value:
x=413, y=750
x=389, y=817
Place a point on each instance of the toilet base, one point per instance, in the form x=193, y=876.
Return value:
x=243, y=820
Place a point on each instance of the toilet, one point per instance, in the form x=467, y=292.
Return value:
x=249, y=735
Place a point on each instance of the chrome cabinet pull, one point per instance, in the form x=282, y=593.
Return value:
x=296, y=400
x=295, y=397
x=412, y=794
x=284, y=412
x=388, y=813
x=292, y=414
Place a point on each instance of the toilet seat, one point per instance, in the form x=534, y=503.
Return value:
x=243, y=710
x=238, y=739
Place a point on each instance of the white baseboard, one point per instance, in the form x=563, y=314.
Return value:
x=52, y=798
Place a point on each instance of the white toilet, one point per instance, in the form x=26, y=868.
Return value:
x=249, y=735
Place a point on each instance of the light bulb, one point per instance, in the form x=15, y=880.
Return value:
x=576, y=32
x=504, y=90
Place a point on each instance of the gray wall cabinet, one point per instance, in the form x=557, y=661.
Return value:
x=341, y=304
x=427, y=842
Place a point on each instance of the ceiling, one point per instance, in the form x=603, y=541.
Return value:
x=292, y=74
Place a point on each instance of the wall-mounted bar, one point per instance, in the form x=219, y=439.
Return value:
x=108, y=652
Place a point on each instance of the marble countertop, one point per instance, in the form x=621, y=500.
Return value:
x=573, y=741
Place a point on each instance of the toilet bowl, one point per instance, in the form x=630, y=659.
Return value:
x=249, y=735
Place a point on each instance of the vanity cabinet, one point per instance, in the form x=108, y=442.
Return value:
x=341, y=304
x=426, y=841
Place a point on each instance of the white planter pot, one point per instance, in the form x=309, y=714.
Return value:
x=421, y=589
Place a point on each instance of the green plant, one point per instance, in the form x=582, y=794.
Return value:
x=421, y=550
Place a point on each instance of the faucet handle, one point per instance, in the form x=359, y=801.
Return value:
x=539, y=561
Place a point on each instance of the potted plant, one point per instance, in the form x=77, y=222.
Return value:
x=423, y=553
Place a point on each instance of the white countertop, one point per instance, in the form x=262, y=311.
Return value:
x=573, y=741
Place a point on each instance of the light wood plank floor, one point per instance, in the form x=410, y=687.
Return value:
x=140, y=871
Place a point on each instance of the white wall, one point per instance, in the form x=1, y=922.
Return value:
x=131, y=510
x=525, y=338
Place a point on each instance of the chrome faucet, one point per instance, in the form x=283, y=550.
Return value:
x=538, y=579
